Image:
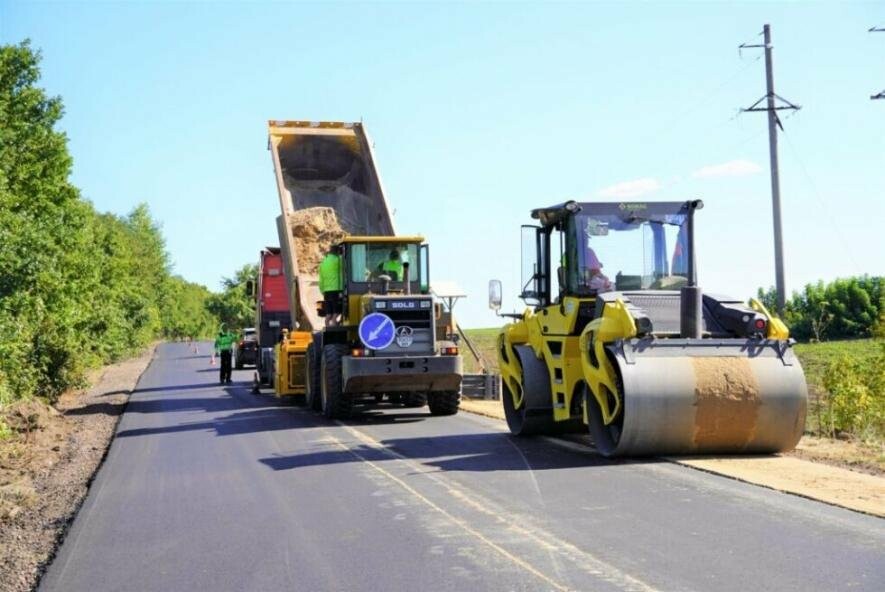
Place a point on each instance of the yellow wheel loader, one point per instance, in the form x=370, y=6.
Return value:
x=387, y=336
x=620, y=339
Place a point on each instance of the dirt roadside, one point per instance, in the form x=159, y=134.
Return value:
x=46, y=469
x=790, y=473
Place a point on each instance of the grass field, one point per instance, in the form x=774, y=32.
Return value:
x=484, y=342
x=816, y=356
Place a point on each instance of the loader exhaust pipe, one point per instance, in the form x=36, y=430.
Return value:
x=690, y=298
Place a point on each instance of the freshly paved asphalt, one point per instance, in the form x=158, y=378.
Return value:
x=213, y=488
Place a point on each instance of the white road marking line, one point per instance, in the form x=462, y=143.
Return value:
x=582, y=559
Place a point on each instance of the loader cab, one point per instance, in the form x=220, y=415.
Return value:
x=379, y=265
x=585, y=249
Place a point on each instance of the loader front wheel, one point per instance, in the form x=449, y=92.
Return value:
x=414, y=400
x=336, y=404
x=444, y=403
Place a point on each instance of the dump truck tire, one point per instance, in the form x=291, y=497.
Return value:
x=444, y=403
x=313, y=381
x=336, y=404
x=415, y=400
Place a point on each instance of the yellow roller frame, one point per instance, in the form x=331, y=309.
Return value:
x=615, y=323
x=777, y=329
x=511, y=371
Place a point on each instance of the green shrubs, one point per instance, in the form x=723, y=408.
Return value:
x=845, y=308
x=854, y=402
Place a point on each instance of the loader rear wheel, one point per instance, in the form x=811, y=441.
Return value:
x=415, y=400
x=444, y=403
x=312, y=381
x=336, y=404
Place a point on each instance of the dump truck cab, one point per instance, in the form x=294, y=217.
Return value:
x=386, y=343
x=619, y=338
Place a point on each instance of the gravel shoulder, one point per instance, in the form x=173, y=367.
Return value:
x=46, y=468
x=790, y=473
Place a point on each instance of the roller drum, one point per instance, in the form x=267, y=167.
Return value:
x=720, y=397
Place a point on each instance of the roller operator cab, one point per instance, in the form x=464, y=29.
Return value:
x=619, y=338
x=386, y=341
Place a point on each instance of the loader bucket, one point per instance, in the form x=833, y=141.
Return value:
x=718, y=396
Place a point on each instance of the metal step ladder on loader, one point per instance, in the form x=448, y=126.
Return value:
x=385, y=347
x=620, y=339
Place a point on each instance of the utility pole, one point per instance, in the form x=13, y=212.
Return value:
x=881, y=95
x=773, y=123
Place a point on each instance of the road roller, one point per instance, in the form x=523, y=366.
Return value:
x=618, y=339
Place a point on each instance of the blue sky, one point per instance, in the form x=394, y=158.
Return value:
x=480, y=112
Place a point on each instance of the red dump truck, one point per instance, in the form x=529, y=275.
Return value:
x=272, y=306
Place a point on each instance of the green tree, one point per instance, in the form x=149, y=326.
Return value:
x=77, y=288
x=234, y=306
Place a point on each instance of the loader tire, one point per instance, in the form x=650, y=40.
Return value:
x=414, y=400
x=444, y=403
x=336, y=404
x=312, y=381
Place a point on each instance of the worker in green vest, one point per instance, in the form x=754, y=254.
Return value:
x=393, y=266
x=331, y=286
x=224, y=345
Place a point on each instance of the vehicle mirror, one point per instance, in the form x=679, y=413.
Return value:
x=495, y=297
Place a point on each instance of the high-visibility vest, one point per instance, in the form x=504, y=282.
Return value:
x=396, y=267
x=330, y=274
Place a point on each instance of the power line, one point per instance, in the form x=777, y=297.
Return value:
x=880, y=95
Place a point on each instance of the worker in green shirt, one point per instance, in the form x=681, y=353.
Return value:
x=393, y=266
x=224, y=345
x=331, y=286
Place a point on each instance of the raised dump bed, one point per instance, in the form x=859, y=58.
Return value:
x=328, y=187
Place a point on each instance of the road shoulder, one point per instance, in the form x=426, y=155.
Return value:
x=829, y=484
x=46, y=471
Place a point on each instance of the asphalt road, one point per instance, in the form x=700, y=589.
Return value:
x=213, y=488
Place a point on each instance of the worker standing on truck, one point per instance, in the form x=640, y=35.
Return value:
x=224, y=344
x=331, y=285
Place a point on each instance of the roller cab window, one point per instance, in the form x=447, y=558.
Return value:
x=627, y=250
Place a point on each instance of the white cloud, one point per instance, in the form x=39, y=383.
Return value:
x=732, y=168
x=633, y=188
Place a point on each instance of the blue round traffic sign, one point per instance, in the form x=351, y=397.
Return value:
x=377, y=330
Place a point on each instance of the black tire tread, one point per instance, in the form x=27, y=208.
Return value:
x=444, y=403
x=337, y=405
x=313, y=382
